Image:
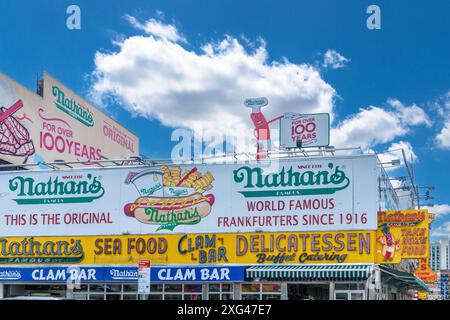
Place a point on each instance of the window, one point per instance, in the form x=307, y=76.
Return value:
x=129, y=291
x=261, y=291
x=349, y=286
x=106, y=291
x=220, y=291
x=175, y=291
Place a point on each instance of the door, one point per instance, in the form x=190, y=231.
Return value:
x=349, y=295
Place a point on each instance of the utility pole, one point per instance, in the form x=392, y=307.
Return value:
x=411, y=177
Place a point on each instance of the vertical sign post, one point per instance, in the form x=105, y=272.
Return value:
x=262, y=130
x=144, y=277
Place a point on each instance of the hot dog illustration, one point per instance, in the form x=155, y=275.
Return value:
x=390, y=244
x=169, y=198
x=157, y=210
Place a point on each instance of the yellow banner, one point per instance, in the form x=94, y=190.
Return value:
x=402, y=235
x=229, y=248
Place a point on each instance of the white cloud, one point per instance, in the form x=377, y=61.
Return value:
x=156, y=28
x=334, y=59
x=154, y=76
x=442, y=231
x=375, y=125
x=411, y=115
x=395, y=152
x=442, y=105
x=368, y=127
x=443, y=137
x=439, y=209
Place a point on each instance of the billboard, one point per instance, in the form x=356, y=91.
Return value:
x=402, y=235
x=312, y=129
x=297, y=195
x=58, y=126
x=197, y=249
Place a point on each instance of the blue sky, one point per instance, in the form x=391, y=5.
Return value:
x=394, y=83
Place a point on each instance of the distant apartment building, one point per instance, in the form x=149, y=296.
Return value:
x=440, y=255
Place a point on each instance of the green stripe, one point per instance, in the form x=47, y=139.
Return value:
x=57, y=200
x=73, y=115
x=308, y=272
x=290, y=192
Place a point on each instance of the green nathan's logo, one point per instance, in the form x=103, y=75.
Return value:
x=72, y=108
x=320, y=182
x=56, y=191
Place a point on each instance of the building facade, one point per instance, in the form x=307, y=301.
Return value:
x=299, y=244
x=440, y=255
x=83, y=216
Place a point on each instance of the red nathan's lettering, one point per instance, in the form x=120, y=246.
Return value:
x=312, y=204
x=258, y=221
x=318, y=219
x=266, y=205
x=64, y=145
x=300, y=205
x=87, y=218
x=15, y=219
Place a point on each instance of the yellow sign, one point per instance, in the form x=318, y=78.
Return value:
x=402, y=235
x=228, y=248
x=422, y=295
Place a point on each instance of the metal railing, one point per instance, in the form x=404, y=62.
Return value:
x=144, y=161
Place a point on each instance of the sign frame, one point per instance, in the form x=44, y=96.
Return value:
x=283, y=126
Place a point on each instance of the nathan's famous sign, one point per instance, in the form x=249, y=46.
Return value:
x=227, y=248
x=44, y=251
x=402, y=235
x=83, y=189
x=301, y=195
x=58, y=126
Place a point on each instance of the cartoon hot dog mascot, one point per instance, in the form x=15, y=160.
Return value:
x=390, y=244
x=169, y=198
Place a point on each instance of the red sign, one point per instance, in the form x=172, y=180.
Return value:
x=144, y=277
x=424, y=272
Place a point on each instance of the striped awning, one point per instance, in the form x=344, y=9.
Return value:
x=308, y=272
x=401, y=278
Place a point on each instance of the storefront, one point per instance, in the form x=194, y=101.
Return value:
x=317, y=282
x=253, y=282
x=121, y=283
x=309, y=231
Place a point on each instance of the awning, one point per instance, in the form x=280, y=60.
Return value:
x=402, y=279
x=311, y=272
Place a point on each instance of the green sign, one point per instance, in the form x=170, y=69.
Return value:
x=56, y=191
x=320, y=182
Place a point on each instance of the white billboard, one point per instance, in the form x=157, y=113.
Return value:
x=58, y=126
x=300, y=195
x=313, y=130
